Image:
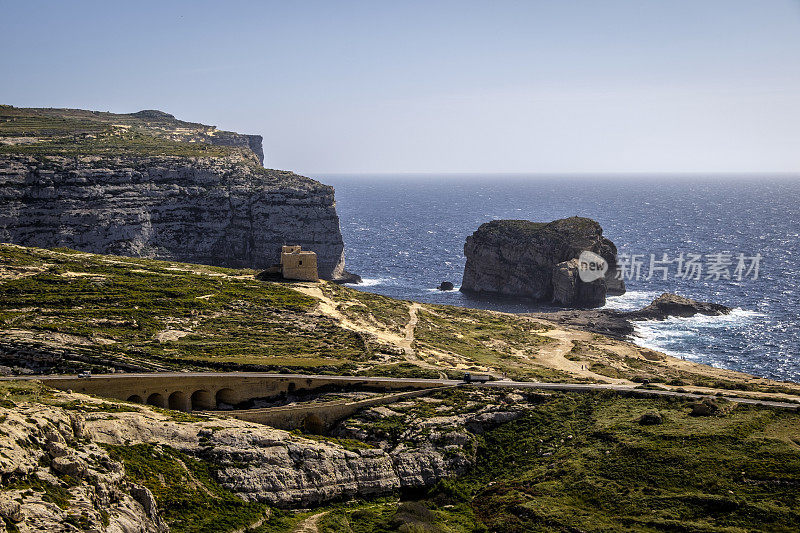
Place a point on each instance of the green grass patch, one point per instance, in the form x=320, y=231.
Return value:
x=189, y=498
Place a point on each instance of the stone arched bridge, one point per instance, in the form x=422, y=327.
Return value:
x=219, y=391
x=210, y=391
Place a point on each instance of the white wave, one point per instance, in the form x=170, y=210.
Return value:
x=674, y=335
x=371, y=282
x=631, y=300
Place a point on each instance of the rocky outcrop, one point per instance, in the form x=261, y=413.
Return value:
x=168, y=190
x=53, y=479
x=668, y=305
x=539, y=261
x=619, y=324
x=64, y=444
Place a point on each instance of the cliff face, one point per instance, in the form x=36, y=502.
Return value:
x=113, y=463
x=522, y=259
x=155, y=187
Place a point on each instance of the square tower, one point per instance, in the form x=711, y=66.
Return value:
x=298, y=264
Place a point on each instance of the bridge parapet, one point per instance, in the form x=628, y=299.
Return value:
x=208, y=391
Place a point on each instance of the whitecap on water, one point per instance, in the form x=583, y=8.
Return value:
x=371, y=282
x=631, y=300
x=677, y=336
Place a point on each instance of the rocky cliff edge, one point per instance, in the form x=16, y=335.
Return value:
x=148, y=185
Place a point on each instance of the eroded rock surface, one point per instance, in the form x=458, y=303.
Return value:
x=65, y=444
x=523, y=259
x=147, y=185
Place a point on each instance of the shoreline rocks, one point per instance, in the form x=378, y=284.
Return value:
x=619, y=324
x=669, y=305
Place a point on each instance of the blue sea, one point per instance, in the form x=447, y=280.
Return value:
x=405, y=234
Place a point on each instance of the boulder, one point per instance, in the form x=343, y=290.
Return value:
x=446, y=286
x=651, y=419
x=669, y=304
x=707, y=407
x=482, y=422
x=10, y=510
x=145, y=498
x=539, y=261
x=70, y=466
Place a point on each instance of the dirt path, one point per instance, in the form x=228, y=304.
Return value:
x=554, y=356
x=408, y=340
x=327, y=307
x=310, y=524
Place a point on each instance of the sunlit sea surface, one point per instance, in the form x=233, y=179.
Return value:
x=405, y=234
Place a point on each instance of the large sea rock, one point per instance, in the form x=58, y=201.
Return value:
x=148, y=185
x=539, y=261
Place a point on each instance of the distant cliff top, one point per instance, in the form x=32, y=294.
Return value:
x=51, y=131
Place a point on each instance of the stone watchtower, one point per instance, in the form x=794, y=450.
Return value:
x=298, y=264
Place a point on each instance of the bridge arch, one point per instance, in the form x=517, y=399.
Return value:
x=179, y=401
x=312, y=423
x=157, y=399
x=135, y=398
x=202, y=400
x=225, y=396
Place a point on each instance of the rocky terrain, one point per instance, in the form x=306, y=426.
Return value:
x=64, y=311
x=455, y=461
x=458, y=460
x=69, y=461
x=539, y=261
x=619, y=324
x=148, y=185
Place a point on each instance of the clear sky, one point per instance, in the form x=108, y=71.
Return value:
x=435, y=86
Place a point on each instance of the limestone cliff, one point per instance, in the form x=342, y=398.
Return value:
x=518, y=258
x=72, y=460
x=148, y=185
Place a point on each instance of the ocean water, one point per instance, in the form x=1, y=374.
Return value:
x=405, y=234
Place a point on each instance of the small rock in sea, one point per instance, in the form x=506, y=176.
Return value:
x=446, y=286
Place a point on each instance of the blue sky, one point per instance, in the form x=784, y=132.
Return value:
x=359, y=87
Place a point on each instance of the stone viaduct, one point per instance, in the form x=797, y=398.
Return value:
x=211, y=391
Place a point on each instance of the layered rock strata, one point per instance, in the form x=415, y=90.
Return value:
x=539, y=261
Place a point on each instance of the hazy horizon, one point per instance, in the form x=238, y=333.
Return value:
x=545, y=88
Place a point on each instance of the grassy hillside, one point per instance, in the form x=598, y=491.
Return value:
x=585, y=463
x=65, y=311
x=118, y=312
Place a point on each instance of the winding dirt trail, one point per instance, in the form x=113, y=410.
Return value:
x=310, y=524
x=408, y=341
x=327, y=307
x=554, y=356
